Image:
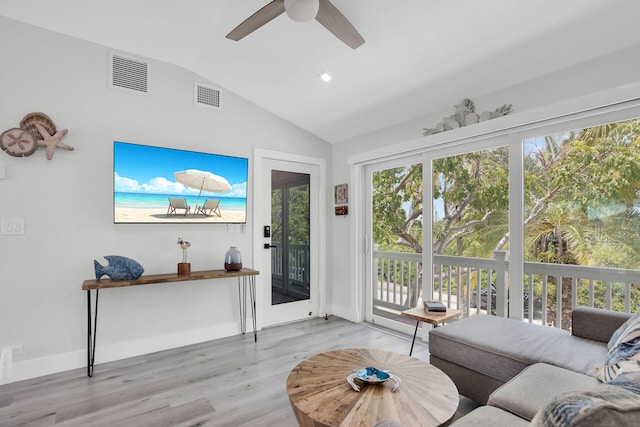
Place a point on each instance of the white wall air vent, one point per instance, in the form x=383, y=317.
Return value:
x=207, y=96
x=128, y=73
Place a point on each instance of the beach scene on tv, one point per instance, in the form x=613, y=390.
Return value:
x=164, y=185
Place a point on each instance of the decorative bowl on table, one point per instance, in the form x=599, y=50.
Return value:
x=371, y=375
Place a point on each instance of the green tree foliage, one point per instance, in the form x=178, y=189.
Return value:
x=473, y=190
x=394, y=227
x=276, y=215
x=581, y=208
x=299, y=214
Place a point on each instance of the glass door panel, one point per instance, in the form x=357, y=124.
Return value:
x=290, y=225
x=582, y=220
x=470, y=229
x=396, y=206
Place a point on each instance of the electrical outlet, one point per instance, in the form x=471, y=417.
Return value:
x=10, y=226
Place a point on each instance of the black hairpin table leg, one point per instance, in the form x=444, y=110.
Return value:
x=414, y=337
x=242, y=295
x=91, y=344
x=252, y=293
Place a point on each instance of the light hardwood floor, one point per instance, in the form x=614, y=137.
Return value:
x=227, y=382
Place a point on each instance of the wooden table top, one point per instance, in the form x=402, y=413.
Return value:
x=418, y=313
x=167, y=278
x=320, y=395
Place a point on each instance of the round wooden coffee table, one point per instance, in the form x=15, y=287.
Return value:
x=320, y=395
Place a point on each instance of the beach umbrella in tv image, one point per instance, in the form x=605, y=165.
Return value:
x=202, y=181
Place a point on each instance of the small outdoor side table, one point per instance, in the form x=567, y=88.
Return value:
x=420, y=315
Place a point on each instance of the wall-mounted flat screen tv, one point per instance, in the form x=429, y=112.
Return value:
x=165, y=185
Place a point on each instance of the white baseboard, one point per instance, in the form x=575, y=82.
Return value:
x=33, y=368
x=343, y=312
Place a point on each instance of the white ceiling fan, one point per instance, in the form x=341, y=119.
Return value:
x=302, y=11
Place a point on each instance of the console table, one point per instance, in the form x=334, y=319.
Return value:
x=245, y=275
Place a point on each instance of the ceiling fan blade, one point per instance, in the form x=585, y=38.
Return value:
x=257, y=20
x=334, y=21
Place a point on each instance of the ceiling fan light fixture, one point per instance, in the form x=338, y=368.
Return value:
x=302, y=10
x=325, y=77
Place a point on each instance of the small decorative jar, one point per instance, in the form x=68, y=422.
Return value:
x=233, y=259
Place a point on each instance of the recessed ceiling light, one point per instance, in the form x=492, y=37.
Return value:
x=324, y=76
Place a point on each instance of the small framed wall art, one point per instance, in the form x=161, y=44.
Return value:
x=342, y=210
x=341, y=194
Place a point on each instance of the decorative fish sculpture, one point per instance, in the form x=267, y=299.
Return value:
x=119, y=268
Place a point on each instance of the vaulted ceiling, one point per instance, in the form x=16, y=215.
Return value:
x=419, y=56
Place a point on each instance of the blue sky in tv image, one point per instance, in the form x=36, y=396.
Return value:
x=144, y=176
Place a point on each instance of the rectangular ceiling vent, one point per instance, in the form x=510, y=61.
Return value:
x=207, y=96
x=128, y=73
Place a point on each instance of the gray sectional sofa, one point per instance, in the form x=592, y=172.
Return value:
x=520, y=370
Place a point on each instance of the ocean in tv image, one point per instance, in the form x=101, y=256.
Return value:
x=146, y=177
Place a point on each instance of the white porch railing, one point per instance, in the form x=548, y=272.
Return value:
x=477, y=285
x=297, y=275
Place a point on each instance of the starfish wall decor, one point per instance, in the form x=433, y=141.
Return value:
x=52, y=141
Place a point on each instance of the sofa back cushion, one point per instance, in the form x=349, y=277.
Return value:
x=595, y=323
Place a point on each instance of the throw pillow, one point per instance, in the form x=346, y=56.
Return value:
x=606, y=405
x=618, y=332
x=628, y=380
x=624, y=355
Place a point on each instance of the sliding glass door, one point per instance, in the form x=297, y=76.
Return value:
x=514, y=225
x=469, y=228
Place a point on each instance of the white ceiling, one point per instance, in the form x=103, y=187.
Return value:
x=420, y=56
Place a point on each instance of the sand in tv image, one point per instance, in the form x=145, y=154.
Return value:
x=165, y=185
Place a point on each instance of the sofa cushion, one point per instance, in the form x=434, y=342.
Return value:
x=624, y=353
x=490, y=416
x=500, y=348
x=535, y=387
x=595, y=323
x=604, y=405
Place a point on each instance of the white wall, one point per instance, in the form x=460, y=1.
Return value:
x=67, y=204
x=601, y=80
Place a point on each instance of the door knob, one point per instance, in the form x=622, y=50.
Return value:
x=268, y=246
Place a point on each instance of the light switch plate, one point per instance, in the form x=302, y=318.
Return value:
x=11, y=226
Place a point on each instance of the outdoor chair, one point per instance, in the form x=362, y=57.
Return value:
x=211, y=205
x=175, y=204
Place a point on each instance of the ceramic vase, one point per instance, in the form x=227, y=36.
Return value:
x=233, y=259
